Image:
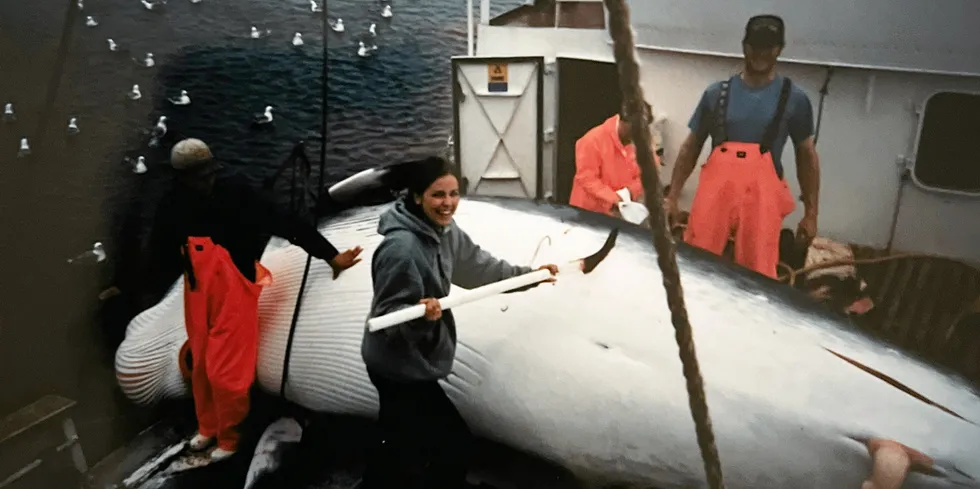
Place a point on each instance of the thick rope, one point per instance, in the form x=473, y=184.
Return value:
x=792, y=275
x=629, y=80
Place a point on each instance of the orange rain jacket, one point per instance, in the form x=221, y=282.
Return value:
x=604, y=165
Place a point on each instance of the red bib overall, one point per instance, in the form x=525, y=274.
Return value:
x=740, y=193
x=221, y=316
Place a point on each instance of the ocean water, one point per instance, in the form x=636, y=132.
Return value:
x=56, y=334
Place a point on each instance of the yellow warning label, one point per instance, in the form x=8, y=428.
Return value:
x=497, y=72
x=497, y=77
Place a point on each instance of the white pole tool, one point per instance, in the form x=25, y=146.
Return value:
x=585, y=265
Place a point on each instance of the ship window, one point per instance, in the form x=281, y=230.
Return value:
x=948, y=156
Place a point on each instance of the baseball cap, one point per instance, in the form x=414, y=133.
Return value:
x=765, y=31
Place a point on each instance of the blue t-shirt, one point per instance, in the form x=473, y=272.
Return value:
x=749, y=112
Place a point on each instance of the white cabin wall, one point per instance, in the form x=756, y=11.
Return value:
x=860, y=142
x=858, y=149
x=506, y=41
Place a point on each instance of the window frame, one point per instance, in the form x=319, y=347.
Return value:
x=918, y=141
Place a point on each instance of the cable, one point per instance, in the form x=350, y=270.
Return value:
x=55, y=83
x=823, y=93
x=309, y=258
x=790, y=277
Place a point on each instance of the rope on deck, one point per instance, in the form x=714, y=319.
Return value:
x=629, y=81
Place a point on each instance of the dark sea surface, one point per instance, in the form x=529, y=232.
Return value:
x=56, y=335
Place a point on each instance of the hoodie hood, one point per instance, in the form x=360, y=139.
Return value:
x=400, y=217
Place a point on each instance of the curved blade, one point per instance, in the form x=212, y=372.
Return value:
x=590, y=262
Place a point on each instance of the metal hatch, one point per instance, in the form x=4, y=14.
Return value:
x=498, y=124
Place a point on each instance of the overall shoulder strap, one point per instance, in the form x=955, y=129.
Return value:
x=721, y=110
x=773, y=129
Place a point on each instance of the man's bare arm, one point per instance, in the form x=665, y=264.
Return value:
x=687, y=159
x=808, y=174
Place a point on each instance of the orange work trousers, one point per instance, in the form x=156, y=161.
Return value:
x=739, y=192
x=222, y=320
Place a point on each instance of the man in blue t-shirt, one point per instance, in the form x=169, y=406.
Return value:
x=742, y=189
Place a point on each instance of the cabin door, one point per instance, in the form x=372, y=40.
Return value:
x=588, y=94
x=498, y=134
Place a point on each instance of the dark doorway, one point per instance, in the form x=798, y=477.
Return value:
x=588, y=94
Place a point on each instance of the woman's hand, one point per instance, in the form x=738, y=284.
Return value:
x=433, y=311
x=551, y=268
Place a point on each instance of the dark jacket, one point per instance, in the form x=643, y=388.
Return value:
x=416, y=261
x=233, y=216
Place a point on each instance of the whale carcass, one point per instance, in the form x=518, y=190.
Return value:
x=585, y=373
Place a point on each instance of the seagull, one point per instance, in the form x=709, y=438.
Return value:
x=338, y=26
x=81, y=6
x=135, y=94
x=364, y=51
x=256, y=33
x=73, y=127
x=8, y=113
x=97, y=252
x=297, y=39
x=25, y=149
x=90, y=21
x=314, y=7
x=112, y=45
x=139, y=165
x=182, y=100
x=386, y=12
x=150, y=5
x=264, y=118
x=159, y=131
x=372, y=29
x=195, y=1
x=147, y=61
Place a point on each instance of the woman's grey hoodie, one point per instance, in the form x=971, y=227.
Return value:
x=415, y=261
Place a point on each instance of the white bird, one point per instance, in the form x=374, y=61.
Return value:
x=159, y=131
x=149, y=5
x=139, y=165
x=73, y=127
x=372, y=29
x=264, y=118
x=195, y=1
x=364, y=51
x=147, y=62
x=257, y=33
x=81, y=5
x=112, y=45
x=8, y=113
x=182, y=100
x=314, y=7
x=297, y=39
x=338, y=26
x=25, y=149
x=97, y=252
x=386, y=12
x=135, y=94
x=90, y=21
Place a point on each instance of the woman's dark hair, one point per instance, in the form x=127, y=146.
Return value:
x=421, y=174
x=427, y=171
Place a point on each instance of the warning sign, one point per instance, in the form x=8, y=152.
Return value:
x=497, y=77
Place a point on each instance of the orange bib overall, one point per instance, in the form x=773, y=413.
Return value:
x=222, y=321
x=740, y=193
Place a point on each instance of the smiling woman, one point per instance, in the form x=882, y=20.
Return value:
x=422, y=254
